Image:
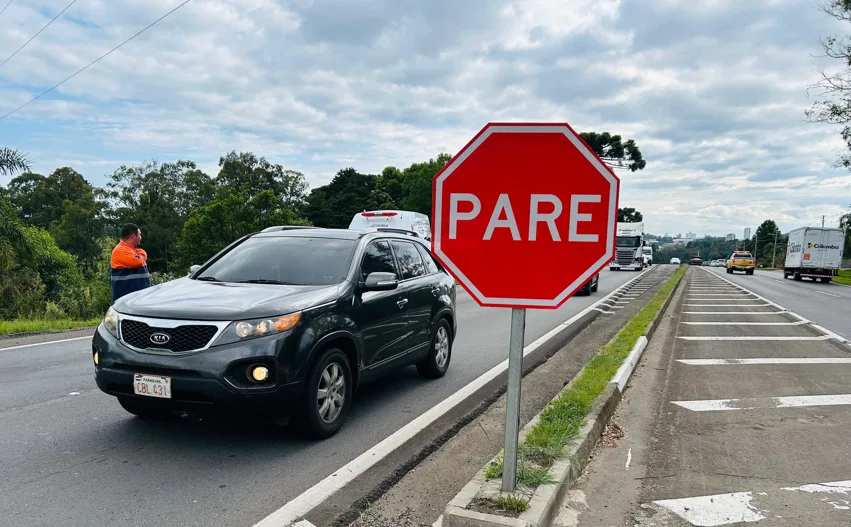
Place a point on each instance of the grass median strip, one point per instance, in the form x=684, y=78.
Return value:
x=9, y=327
x=562, y=419
x=844, y=277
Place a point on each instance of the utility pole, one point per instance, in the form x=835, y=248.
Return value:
x=774, y=252
x=822, y=220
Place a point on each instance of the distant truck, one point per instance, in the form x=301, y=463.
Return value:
x=629, y=247
x=393, y=219
x=814, y=252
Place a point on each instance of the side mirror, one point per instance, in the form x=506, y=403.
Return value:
x=193, y=268
x=381, y=282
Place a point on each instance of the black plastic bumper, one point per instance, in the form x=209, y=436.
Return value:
x=209, y=380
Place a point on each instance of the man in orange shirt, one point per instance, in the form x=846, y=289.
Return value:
x=129, y=264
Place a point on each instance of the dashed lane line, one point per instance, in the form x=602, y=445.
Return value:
x=765, y=361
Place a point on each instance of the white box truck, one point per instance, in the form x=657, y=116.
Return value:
x=628, y=247
x=814, y=252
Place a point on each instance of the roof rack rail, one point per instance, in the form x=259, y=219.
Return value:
x=287, y=228
x=397, y=231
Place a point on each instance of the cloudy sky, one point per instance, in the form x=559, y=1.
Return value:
x=713, y=91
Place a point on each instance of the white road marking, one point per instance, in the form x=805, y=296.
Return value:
x=733, y=312
x=628, y=458
x=619, y=302
x=710, y=511
x=439, y=522
x=43, y=343
x=778, y=306
x=723, y=362
x=748, y=507
x=305, y=523
x=726, y=305
x=766, y=337
x=722, y=299
x=318, y=493
x=74, y=393
x=828, y=294
x=796, y=401
x=742, y=323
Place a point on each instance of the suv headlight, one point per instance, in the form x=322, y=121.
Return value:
x=110, y=322
x=260, y=327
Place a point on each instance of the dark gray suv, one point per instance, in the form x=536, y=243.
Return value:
x=282, y=322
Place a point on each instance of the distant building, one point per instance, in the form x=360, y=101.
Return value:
x=682, y=241
x=747, y=235
x=731, y=237
x=691, y=236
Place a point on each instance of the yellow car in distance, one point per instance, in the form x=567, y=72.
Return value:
x=741, y=261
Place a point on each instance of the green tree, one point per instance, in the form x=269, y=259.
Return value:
x=629, y=215
x=392, y=182
x=158, y=198
x=764, y=241
x=231, y=215
x=247, y=172
x=845, y=223
x=349, y=192
x=417, y=183
x=614, y=151
x=65, y=204
x=12, y=161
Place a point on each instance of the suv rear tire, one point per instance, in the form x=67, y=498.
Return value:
x=328, y=394
x=435, y=364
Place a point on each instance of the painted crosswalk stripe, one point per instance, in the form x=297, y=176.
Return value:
x=765, y=361
x=734, y=312
x=796, y=401
x=722, y=299
x=757, y=338
x=726, y=305
x=744, y=323
x=717, y=510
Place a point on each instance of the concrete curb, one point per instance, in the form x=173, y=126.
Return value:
x=546, y=499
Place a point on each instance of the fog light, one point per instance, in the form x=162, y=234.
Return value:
x=95, y=358
x=259, y=373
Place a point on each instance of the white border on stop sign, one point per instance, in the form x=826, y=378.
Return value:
x=529, y=128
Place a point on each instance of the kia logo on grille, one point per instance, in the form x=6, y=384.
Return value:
x=160, y=338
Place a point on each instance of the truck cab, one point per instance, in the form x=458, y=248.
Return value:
x=629, y=247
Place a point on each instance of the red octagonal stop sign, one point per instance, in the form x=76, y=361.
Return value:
x=524, y=215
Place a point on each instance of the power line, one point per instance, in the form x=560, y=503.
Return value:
x=37, y=34
x=7, y=5
x=87, y=66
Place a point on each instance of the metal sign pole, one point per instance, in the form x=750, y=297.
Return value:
x=512, y=399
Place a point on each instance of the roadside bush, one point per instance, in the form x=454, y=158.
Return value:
x=57, y=269
x=21, y=294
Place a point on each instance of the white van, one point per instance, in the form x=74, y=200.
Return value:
x=393, y=219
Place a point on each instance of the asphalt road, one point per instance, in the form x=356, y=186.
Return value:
x=73, y=457
x=825, y=304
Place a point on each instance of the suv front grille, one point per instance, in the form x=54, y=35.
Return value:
x=181, y=338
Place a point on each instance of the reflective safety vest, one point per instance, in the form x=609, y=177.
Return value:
x=128, y=270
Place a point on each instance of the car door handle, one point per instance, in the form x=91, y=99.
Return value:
x=435, y=291
x=401, y=303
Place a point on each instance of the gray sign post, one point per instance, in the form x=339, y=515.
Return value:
x=512, y=399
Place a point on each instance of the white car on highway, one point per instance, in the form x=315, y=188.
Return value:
x=675, y=261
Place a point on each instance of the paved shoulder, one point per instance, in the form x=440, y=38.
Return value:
x=740, y=414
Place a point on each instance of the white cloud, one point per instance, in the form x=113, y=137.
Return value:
x=713, y=92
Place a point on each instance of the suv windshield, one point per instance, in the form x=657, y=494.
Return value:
x=284, y=260
x=628, y=241
x=742, y=256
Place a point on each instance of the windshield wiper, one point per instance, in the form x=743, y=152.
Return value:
x=264, y=281
x=208, y=279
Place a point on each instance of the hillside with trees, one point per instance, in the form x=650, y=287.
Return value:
x=57, y=230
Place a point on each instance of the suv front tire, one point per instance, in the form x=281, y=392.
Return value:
x=328, y=395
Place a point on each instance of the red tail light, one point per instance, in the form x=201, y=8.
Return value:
x=371, y=214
